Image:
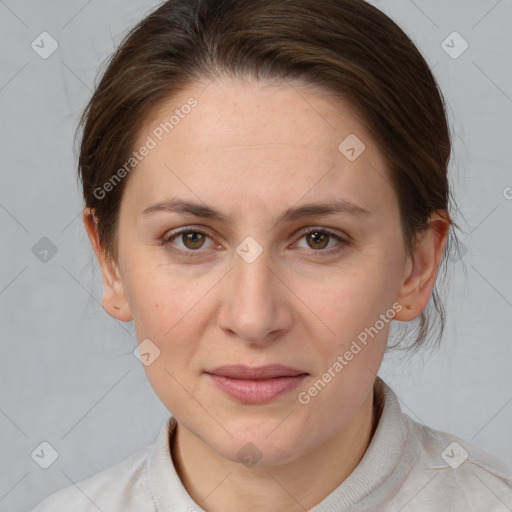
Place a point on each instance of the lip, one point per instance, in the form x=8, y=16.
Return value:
x=255, y=372
x=256, y=384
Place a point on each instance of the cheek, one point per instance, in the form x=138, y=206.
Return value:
x=347, y=320
x=160, y=296
x=173, y=310
x=351, y=299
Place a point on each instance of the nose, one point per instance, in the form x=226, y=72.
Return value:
x=255, y=303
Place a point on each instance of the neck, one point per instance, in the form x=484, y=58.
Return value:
x=218, y=484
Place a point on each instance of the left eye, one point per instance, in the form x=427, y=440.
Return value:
x=319, y=238
x=194, y=239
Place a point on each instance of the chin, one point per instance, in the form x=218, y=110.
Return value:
x=256, y=446
x=258, y=453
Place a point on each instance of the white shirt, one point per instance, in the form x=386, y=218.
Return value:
x=407, y=467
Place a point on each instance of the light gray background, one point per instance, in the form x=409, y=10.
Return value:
x=67, y=372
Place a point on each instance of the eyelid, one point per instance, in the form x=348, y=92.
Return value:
x=311, y=229
x=174, y=233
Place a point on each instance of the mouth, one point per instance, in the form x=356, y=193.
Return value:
x=256, y=385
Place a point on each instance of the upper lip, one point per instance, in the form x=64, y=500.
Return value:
x=256, y=372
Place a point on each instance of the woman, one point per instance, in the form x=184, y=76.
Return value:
x=266, y=190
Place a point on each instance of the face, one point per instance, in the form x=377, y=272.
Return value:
x=254, y=286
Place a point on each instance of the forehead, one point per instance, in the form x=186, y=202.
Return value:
x=232, y=113
x=248, y=140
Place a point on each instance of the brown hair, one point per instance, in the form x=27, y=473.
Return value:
x=347, y=47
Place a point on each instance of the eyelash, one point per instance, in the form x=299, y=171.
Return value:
x=166, y=240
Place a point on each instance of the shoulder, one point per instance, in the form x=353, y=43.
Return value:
x=455, y=472
x=119, y=487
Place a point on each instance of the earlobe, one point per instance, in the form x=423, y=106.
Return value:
x=422, y=266
x=114, y=297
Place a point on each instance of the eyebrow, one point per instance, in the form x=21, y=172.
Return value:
x=337, y=206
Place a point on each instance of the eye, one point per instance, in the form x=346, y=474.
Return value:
x=192, y=239
x=318, y=239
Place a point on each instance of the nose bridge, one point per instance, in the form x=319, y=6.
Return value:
x=252, y=274
x=252, y=302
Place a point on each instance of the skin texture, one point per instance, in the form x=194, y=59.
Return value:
x=253, y=150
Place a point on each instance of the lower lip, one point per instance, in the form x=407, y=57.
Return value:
x=257, y=391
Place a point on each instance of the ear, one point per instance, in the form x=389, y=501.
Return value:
x=422, y=266
x=114, y=297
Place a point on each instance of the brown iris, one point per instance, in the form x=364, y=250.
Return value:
x=318, y=237
x=195, y=238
